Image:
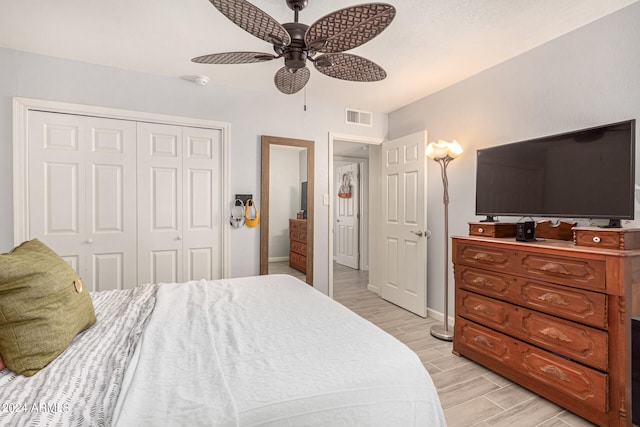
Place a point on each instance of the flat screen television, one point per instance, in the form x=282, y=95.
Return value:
x=589, y=173
x=303, y=198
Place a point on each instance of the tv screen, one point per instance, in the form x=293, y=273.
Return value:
x=303, y=196
x=588, y=173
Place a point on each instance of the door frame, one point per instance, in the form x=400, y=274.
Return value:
x=347, y=138
x=21, y=108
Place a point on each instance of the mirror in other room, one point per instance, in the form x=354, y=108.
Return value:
x=286, y=196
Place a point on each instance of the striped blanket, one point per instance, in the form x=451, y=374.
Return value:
x=81, y=386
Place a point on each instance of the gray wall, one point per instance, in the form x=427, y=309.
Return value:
x=588, y=77
x=250, y=114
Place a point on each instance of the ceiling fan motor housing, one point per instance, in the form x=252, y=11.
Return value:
x=295, y=55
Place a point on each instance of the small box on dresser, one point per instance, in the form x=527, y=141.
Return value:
x=551, y=316
x=611, y=238
x=492, y=229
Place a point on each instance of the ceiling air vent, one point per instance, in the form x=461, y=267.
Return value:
x=357, y=117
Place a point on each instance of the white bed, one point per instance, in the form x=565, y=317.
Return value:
x=257, y=351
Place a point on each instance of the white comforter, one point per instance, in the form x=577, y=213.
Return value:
x=269, y=351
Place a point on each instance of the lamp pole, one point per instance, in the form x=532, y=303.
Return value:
x=443, y=152
x=442, y=331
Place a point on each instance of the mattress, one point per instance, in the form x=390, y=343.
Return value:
x=255, y=351
x=277, y=352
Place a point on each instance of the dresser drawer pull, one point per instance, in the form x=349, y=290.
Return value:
x=484, y=257
x=553, y=267
x=596, y=239
x=555, y=333
x=483, y=309
x=556, y=372
x=481, y=281
x=553, y=299
x=480, y=230
x=483, y=340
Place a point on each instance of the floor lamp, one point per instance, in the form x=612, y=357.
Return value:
x=443, y=152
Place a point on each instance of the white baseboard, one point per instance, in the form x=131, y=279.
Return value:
x=278, y=258
x=433, y=314
x=373, y=288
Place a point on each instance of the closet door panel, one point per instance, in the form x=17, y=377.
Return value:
x=111, y=203
x=160, y=221
x=202, y=169
x=79, y=168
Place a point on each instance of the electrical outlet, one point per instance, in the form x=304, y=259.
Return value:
x=325, y=199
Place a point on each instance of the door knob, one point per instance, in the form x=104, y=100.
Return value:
x=179, y=238
x=418, y=233
x=89, y=240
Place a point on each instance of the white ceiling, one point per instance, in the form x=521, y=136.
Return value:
x=430, y=45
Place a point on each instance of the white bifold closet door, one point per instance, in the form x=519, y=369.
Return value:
x=126, y=202
x=82, y=194
x=179, y=211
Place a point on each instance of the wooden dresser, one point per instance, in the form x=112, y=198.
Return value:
x=551, y=316
x=298, y=244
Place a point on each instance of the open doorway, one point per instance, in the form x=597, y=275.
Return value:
x=353, y=186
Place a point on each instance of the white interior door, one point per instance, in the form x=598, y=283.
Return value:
x=160, y=210
x=404, y=219
x=347, y=218
x=82, y=198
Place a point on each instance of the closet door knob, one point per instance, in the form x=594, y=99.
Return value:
x=179, y=238
x=89, y=241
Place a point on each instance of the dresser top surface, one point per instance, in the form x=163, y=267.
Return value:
x=546, y=244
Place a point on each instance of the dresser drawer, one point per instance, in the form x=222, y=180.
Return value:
x=298, y=247
x=552, y=376
x=298, y=235
x=297, y=261
x=585, y=273
x=576, y=341
x=569, y=303
x=298, y=224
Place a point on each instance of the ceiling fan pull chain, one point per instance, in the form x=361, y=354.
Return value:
x=305, y=98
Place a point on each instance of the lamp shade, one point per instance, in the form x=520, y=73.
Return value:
x=443, y=149
x=455, y=149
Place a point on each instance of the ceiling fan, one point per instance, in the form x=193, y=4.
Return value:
x=296, y=42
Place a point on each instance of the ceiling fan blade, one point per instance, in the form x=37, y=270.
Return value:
x=345, y=66
x=234, y=58
x=253, y=20
x=350, y=27
x=290, y=83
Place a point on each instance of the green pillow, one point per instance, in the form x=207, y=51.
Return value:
x=43, y=306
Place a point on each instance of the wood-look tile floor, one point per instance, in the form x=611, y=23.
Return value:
x=282, y=267
x=471, y=395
